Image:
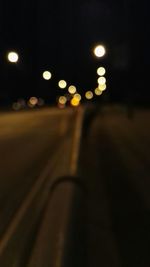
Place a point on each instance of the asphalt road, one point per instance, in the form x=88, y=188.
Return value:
x=115, y=164
x=28, y=142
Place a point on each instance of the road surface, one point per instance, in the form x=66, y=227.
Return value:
x=114, y=165
x=29, y=141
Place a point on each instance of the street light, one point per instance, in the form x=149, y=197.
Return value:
x=12, y=57
x=99, y=51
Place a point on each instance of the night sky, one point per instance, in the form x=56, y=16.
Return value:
x=60, y=36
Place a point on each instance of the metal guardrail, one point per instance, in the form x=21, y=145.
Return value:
x=60, y=240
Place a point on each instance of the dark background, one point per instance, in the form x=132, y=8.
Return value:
x=60, y=36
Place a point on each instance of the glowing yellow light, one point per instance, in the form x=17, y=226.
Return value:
x=89, y=95
x=72, y=89
x=13, y=57
x=102, y=87
x=99, y=51
x=62, y=84
x=33, y=101
x=101, y=71
x=47, y=75
x=74, y=102
x=78, y=97
x=98, y=91
x=101, y=80
x=62, y=100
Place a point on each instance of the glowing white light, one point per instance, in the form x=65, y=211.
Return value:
x=72, y=89
x=47, y=75
x=101, y=80
x=62, y=84
x=99, y=51
x=101, y=71
x=13, y=57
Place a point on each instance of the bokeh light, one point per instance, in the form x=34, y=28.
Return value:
x=13, y=57
x=74, y=102
x=47, y=75
x=72, y=89
x=33, y=101
x=102, y=87
x=78, y=96
x=89, y=95
x=98, y=91
x=101, y=71
x=101, y=80
x=99, y=51
x=62, y=84
x=62, y=100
